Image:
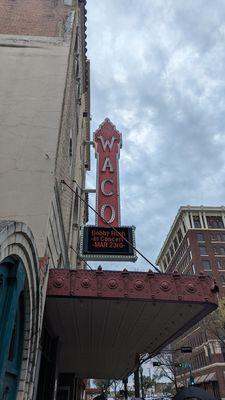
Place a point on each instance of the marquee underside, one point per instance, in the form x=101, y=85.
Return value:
x=104, y=319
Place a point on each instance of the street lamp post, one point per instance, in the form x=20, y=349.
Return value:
x=125, y=382
x=136, y=383
x=141, y=376
x=191, y=379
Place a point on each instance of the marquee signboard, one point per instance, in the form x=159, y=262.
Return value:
x=104, y=243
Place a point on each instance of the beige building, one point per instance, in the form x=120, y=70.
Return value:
x=44, y=123
x=44, y=135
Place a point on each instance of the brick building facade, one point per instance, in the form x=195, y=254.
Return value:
x=34, y=18
x=196, y=245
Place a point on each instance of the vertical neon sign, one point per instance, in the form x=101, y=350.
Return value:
x=108, y=142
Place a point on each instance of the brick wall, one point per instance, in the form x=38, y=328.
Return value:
x=33, y=17
x=72, y=155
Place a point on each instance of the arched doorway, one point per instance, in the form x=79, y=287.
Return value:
x=22, y=290
x=12, y=314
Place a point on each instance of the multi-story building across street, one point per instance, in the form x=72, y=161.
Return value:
x=195, y=245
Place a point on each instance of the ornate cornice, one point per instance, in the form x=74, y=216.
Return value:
x=133, y=285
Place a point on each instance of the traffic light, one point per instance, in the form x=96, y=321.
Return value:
x=186, y=349
x=156, y=363
x=179, y=365
x=192, y=380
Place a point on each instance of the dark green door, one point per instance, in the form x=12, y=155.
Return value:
x=12, y=278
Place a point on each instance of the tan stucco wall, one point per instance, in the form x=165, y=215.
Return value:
x=32, y=80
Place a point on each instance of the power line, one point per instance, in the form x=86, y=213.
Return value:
x=106, y=222
x=81, y=258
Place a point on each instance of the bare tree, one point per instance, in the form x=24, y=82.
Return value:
x=168, y=368
x=103, y=384
x=214, y=324
x=149, y=382
x=117, y=385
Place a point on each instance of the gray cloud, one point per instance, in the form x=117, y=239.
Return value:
x=157, y=71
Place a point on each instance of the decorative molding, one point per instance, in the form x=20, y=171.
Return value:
x=107, y=121
x=133, y=285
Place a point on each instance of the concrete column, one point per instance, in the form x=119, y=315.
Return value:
x=192, y=221
x=186, y=221
x=201, y=219
x=204, y=219
x=223, y=218
x=182, y=228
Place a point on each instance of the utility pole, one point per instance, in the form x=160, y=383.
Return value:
x=125, y=381
x=141, y=376
x=136, y=383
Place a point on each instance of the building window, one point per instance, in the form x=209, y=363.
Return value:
x=191, y=271
x=171, y=250
x=217, y=237
x=60, y=261
x=197, y=222
x=206, y=265
x=213, y=237
x=200, y=237
x=168, y=257
x=215, y=222
x=219, y=250
x=216, y=250
x=175, y=242
x=208, y=352
x=179, y=235
x=223, y=351
x=222, y=280
x=164, y=264
x=203, y=250
x=70, y=148
x=220, y=263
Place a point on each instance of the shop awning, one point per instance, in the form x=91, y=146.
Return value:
x=206, y=378
x=211, y=377
x=104, y=319
x=200, y=379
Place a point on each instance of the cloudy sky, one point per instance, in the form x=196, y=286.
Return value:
x=158, y=72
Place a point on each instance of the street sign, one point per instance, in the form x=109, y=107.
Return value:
x=182, y=365
x=108, y=244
